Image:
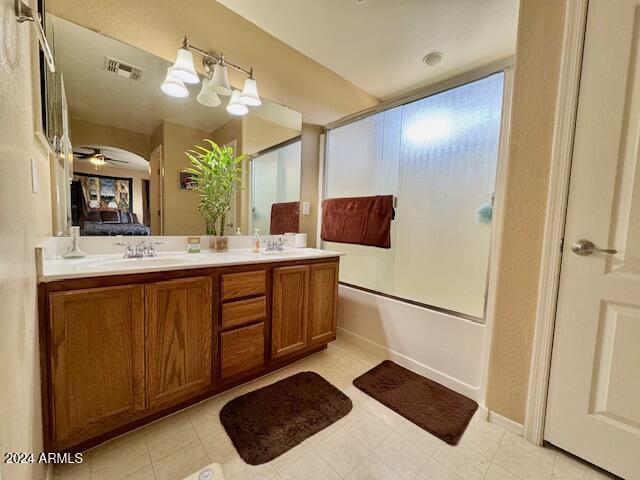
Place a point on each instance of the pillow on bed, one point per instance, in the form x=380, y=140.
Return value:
x=125, y=217
x=109, y=216
x=134, y=218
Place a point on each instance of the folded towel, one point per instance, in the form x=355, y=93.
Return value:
x=285, y=218
x=358, y=220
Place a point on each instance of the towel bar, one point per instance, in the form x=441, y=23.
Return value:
x=25, y=13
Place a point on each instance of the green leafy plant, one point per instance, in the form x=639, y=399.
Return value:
x=215, y=174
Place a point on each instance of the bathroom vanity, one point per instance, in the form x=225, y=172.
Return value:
x=125, y=342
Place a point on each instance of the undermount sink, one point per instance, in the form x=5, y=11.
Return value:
x=134, y=263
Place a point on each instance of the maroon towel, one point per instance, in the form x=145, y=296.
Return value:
x=285, y=218
x=358, y=220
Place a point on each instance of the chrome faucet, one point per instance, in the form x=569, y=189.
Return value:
x=275, y=245
x=141, y=250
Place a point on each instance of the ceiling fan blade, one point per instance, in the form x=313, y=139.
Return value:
x=114, y=160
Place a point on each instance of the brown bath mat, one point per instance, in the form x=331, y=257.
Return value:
x=437, y=409
x=266, y=423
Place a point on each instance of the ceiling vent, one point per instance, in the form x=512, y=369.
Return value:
x=122, y=69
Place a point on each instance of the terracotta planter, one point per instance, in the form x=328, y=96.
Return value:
x=219, y=244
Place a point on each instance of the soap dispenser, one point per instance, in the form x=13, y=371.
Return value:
x=255, y=244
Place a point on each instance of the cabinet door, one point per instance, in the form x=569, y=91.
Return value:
x=289, y=319
x=97, y=355
x=323, y=302
x=242, y=350
x=179, y=339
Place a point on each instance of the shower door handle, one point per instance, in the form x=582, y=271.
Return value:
x=587, y=247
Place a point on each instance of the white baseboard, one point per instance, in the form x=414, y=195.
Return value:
x=413, y=365
x=505, y=422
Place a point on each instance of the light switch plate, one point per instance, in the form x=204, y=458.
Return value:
x=34, y=176
x=306, y=208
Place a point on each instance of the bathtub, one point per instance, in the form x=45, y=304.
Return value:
x=443, y=347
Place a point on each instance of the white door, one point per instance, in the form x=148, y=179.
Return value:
x=593, y=407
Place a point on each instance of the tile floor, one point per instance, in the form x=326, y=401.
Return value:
x=371, y=443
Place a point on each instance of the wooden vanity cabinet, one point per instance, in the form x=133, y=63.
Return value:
x=305, y=303
x=290, y=310
x=323, y=302
x=242, y=350
x=124, y=350
x=243, y=317
x=179, y=339
x=97, y=360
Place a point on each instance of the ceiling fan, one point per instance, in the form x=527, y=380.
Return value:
x=96, y=157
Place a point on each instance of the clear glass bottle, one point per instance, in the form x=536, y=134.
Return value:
x=255, y=244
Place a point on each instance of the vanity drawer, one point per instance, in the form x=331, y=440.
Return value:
x=237, y=285
x=242, y=349
x=242, y=312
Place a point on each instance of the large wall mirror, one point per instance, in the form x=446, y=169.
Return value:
x=126, y=143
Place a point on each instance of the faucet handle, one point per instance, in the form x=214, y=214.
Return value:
x=127, y=248
x=151, y=250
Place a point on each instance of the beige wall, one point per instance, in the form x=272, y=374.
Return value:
x=259, y=134
x=180, y=208
x=157, y=137
x=136, y=175
x=230, y=131
x=537, y=65
x=89, y=133
x=309, y=180
x=285, y=76
x=25, y=219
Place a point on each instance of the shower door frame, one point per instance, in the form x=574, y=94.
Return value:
x=506, y=66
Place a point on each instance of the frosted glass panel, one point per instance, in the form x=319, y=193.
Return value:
x=438, y=155
x=448, y=157
x=362, y=160
x=276, y=179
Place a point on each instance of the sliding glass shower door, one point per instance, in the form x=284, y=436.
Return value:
x=275, y=178
x=438, y=156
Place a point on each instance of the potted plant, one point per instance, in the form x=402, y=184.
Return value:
x=215, y=174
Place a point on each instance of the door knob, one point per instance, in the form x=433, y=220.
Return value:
x=587, y=247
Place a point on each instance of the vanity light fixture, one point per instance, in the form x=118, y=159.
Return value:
x=215, y=83
x=220, y=79
x=207, y=96
x=183, y=68
x=236, y=106
x=173, y=86
x=249, y=95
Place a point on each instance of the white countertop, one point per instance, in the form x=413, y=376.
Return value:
x=113, y=264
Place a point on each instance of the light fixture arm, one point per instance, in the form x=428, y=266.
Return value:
x=215, y=57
